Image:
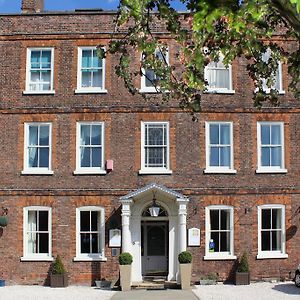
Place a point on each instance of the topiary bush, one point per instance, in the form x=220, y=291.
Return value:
x=185, y=257
x=58, y=266
x=125, y=258
x=243, y=266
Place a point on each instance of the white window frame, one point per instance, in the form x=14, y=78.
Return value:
x=36, y=256
x=28, y=67
x=93, y=256
x=89, y=170
x=270, y=169
x=151, y=89
x=266, y=89
x=217, y=90
x=220, y=169
x=39, y=170
x=219, y=255
x=271, y=254
x=154, y=170
x=86, y=90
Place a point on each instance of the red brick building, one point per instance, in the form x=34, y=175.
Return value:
x=82, y=161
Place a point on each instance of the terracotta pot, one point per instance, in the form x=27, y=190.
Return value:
x=185, y=274
x=125, y=277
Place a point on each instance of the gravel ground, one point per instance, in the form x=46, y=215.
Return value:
x=254, y=291
x=17, y=292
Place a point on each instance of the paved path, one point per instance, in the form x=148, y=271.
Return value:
x=155, y=295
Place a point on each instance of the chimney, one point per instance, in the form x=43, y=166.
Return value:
x=32, y=6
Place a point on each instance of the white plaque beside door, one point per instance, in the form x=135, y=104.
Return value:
x=194, y=237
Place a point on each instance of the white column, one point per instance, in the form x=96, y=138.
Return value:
x=182, y=225
x=126, y=234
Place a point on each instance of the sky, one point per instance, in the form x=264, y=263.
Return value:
x=14, y=6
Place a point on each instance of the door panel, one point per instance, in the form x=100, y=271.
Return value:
x=155, y=247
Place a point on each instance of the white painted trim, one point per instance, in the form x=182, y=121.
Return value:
x=153, y=170
x=271, y=254
x=81, y=89
x=39, y=93
x=219, y=255
x=91, y=170
x=38, y=171
x=38, y=256
x=216, y=169
x=219, y=91
x=91, y=256
x=28, y=58
x=151, y=89
x=270, y=169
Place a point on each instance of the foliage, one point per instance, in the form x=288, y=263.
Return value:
x=185, y=257
x=125, y=258
x=243, y=265
x=211, y=276
x=232, y=27
x=58, y=266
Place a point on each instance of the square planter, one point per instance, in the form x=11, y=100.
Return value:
x=103, y=284
x=125, y=277
x=59, y=280
x=242, y=278
x=185, y=275
x=2, y=282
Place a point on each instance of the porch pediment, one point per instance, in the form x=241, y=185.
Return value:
x=153, y=187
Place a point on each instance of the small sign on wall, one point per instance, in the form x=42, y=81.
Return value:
x=194, y=237
x=114, y=238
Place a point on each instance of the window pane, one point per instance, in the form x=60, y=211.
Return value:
x=45, y=76
x=275, y=135
x=149, y=78
x=214, y=219
x=265, y=135
x=33, y=135
x=46, y=59
x=266, y=218
x=85, y=157
x=35, y=59
x=214, y=133
x=43, y=220
x=86, y=58
x=225, y=156
x=96, y=157
x=225, y=241
x=276, y=156
x=32, y=220
x=97, y=78
x=85, y=243
x=225, y=134
x=214, y=156
x=265, y=241
x=84, y=134
x=155, y=135
x=95, y=243
x=276, y=218
x=32, y=242
x=32, y=158
x=225, y=219
x=276, y=240
x=44, y=135
x=35, y=76
x=215, y=237
x=95, y=217
x=86, y=78
x=222, y=79
x=97, y=62
x=44, y=157
x=84, y=221
x=96, y=135
x=265, y=156
x=155, y=156
x=43, y=242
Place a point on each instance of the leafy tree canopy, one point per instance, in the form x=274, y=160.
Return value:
x=231, y=27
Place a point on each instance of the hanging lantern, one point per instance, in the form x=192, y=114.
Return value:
x=154, y=209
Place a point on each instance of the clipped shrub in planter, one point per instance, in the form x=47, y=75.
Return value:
x=185, y=266
x=242, y=275
x=209, y=279
x=58, y=275
x=125, y=261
